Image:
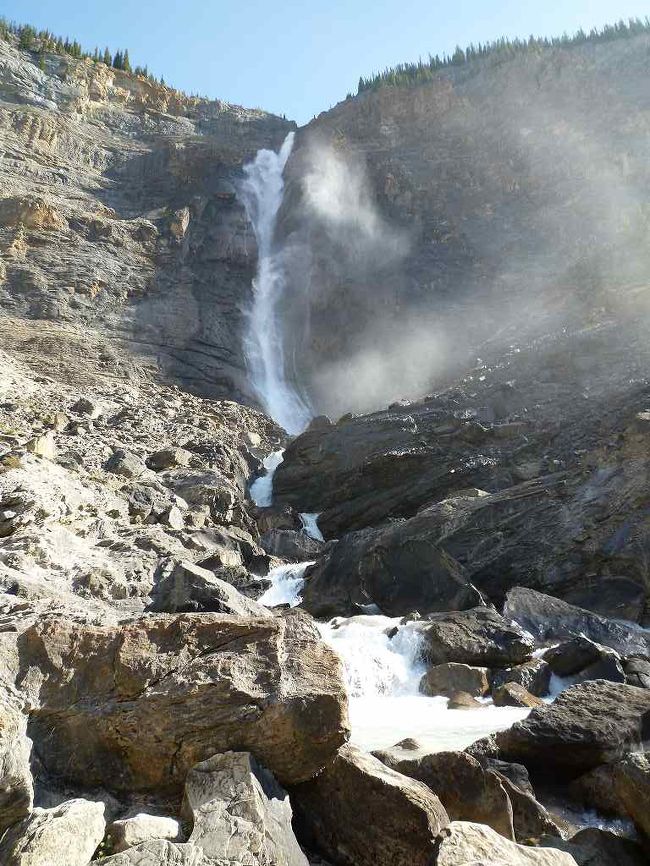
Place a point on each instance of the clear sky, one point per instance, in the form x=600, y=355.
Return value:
x=299, y=57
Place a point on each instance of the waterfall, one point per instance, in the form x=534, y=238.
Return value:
x=261, y=193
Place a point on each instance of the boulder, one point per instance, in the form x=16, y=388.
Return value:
x=479, y=637
x=183, y=587
x=515, y=773
x=358, y=812
x=592, y=723
x=42, y=446
x=240, y=814
x=395, y=568
x=534, y=676
x=552, y=619
x=594, y=847
x=16, y=788
x=125, y=464
x=168, y=458
x=529, y=818
x=463, y=701
x=132, y=707
x=140, y=828
x=157, y=852
x=465, y=789
x=573, y=656
x=67, y=834
x=467, y=844
x=637, y=671
x=514, y=695
x=290, y=544
x=632, y=788
x=452, y=677
x=596, y=790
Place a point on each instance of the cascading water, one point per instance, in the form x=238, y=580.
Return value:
x=261, y=193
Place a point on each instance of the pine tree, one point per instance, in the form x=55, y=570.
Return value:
x=126, y=63
x=107, y=57
x=118, y=60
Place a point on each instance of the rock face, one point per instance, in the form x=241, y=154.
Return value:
x=158, y=852
x=632, y=788
x=589, y=724
x=479, y=637
x=240, y=814
x=68, y=834
x=402, y=817
x=464, y=844
x=465, y=789
x=133, y=707
x=395, y=568
x=16, y=789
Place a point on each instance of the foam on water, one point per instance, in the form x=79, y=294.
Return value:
x=287, y=582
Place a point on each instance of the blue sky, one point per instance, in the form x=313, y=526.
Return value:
x=299, y=57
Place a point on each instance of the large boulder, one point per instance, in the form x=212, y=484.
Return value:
x=398, y=568
x=465, y=789
x=632, y=789
x=479, y=637
x=133, y=707
x=592, y=846
x=593, y=723
x=358, y=812
x=534, y=676
x=66, y=835
x=450, y=678
x=184, y=587
x=16, y=788
x=290, y=544
x=637, y=671
x=240, y=814
x=514, y=695
x=573, y=656
x=128, y=832
x=157, y=852
x=552, y=619
x=466, y=844
x=611, y=597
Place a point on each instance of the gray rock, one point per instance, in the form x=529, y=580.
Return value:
x=401, y=817
x=514, y=695
x=593, y=723
x=67, y=835
x=479, y=637
x=290, y=544
x=534, y=676
x=240, y=814
x=16, y=788
x=158, y=852
x=84, y=406
x=611, y=597
x=466, y=844
x=637, y=671
x=552, y=619
x=183, y=587
x=575, y=655
x=594, y=847
x=632, y=788
x=168, y=458
x=127, y=832
x=125, y=464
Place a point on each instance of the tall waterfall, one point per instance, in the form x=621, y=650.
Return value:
x=261, y=193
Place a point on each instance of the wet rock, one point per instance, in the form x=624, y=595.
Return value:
x=450, y=678
x=276, y=517
x=596, y=790
x=140, y=828
x=534, y=676
x=67, y=834
x=593, y=723
x=464, y=788
x=514, y=695
x=575, y=655
x=632, y=788
x=530, y=818
x=395, y=568
x=183, y=587
x=515, y=773
x=464, y=844
x=402, y=817
x=552, y=619
x=133, y=707
x=125, y=464
x=463, y=701
x=291, y=545
x=477, y=637
x=239, y=813
x=168, y=458
x=16, y=788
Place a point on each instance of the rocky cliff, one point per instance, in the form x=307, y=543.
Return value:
x=119, y=216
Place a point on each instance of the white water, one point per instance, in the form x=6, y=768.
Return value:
x=287, y=582
x=310, y=525
x=261, y=193
x=261, y=490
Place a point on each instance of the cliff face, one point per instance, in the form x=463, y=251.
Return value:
x=119, y=216
x=504, y=199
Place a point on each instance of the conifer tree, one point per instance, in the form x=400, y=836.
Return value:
x=107, y=57
x=126, y=63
